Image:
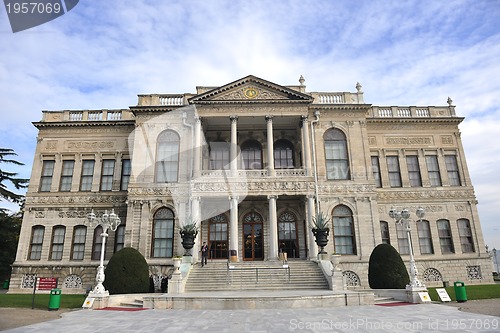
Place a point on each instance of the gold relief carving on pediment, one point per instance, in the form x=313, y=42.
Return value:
x=249, y=92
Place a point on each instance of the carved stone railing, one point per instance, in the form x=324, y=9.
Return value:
x=254, y=173
x=163, y=100
x=290, y=172
x=337, y=97
x=411, y=111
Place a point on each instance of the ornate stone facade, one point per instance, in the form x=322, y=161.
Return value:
x=252, y=162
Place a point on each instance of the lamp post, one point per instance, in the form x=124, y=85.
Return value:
x=403, y=218
x=106, y=221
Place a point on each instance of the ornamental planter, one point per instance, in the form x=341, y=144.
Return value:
x=321, y=236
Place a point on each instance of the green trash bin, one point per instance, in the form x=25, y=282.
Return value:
x=5, y=284
x=460, y=293
x=54, y=299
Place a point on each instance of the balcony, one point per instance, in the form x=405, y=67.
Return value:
x=411, y=112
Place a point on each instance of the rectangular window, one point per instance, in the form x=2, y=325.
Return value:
x=79, y=237
x=376, y=171
x=56, y=250
x=404, y=247
x=66, y=176
x=337, y=163
x=465, y=234
x=394, y=171
x=163, y=241
x=168, y=162
x=47, y=173
x=433, y=169
x=87, y=175
x=413, y=171
x=119, y=238
x=126, y=169
x=384, y=229
x=452, y=168
x=36, y=243
x=108, y=170
x=424, y=237
x=445, y=239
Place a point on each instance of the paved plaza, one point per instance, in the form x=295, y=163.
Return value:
x=367, y=318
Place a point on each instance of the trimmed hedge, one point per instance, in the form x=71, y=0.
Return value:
x=386, y=269
x=127, y=272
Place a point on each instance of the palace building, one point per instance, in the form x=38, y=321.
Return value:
x=252, y=162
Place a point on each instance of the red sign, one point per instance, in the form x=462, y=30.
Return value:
x=46, y=283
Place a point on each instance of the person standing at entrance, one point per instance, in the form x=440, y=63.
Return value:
x=204, y=254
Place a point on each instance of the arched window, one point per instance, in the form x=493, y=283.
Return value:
x=97, y=243
x=337, y=161
x=424, y=237
x=167, y=157
x=445, y=237
x=465, y=233
x=219, y=155
x=78, y=247
x=251, y=152
x=343, y=230
x=56, y=250
x=384, y=230
x=283, y=154
x=37, y=233
x=163, y=233
x=287, y=234
x=218, y=237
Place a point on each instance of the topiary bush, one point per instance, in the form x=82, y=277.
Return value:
x=386, y=269
x=127, y=272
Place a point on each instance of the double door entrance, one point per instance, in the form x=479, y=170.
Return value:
x=253, y=237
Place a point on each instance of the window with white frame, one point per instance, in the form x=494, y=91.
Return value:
x=343, y=230
x=404, y=247
x=66, y=175
x=433, y=170
x=78, y=246
x=337, y=160
x=445, y=237
x=120, y=237
x=251, y=152
x=126, y=170
x=97, y=243
x=376, y=171
x=413, y=171
x=167, y=157
x=163, y=233
x=87, y=175
x=283, y=154
x=384, y=230
x=47, y=173
x=56, y=251
x=465, y=233
x=452, y=168
x=394, y=171
x=36, y=243
x=424, y=237
x=108, y=170
x=219, y=155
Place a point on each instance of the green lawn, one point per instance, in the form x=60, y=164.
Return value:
x=41, y=301
x=473, y=292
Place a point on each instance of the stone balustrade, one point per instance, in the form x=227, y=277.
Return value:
x=411, y=112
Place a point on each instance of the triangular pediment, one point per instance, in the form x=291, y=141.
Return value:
x=251, y=89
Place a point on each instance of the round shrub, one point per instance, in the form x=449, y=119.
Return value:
x=127, y=272
x=386, y=269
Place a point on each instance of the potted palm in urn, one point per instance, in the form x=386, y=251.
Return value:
x=188, y=233
x=320, y=230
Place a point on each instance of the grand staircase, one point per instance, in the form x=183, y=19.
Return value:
x=256, y=275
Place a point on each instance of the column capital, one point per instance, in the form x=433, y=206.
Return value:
x=233, y=197
x=269, y=118
x=272, y=196
x=234, y=118
x=305, y=118
x=197, y=119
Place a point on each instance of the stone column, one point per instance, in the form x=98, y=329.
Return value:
x=273, y=228
x=196, y=216
x=197, y=147
x=270, y=147
x=313, y=247
x=234, y=146
x=306, y=146
x=233, y=227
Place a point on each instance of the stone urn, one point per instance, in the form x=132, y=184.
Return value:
x=335, y=260
x=177, y=264
x=321, y=236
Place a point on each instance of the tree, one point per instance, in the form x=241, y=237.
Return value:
x=10, y=226
x=127, y=272
x=11, y=177
x=386, y=269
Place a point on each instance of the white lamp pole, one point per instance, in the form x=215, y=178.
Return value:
x=107, y=221
x=403, y=218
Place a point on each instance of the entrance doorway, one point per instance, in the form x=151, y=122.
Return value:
x=253, y=237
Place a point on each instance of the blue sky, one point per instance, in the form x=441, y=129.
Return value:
x=102, y=54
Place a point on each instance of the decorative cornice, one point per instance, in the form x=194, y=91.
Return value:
x=42, y=124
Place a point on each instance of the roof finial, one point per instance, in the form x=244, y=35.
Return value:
x=358, y=87
x=301, y=80
x=449, y=101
